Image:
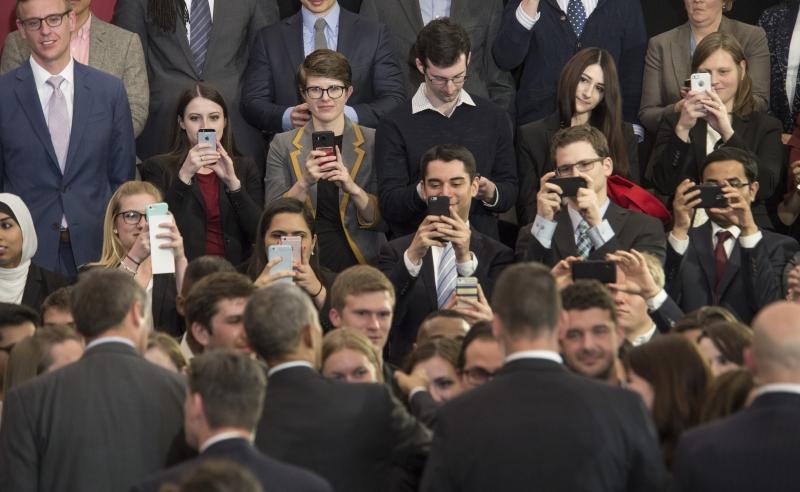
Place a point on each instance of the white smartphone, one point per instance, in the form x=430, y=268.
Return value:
x=284, y=252
x=162, y=260
x=205, y=135
x=466, y=288
x=296, y=242
x=700, y=82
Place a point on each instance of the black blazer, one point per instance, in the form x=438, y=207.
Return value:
x=40, y=284
x=273, y=475
x=416, y=296
x=165, y=315
x=673, y=160
x=754, y=449
x=353, y=435
x=533, y=160
x=290, y=7
x=752, y=276
x=269, y=86
x=631, y=230
x=540, y=427
x=667, y=315
x=239, y=212
x=101, y=423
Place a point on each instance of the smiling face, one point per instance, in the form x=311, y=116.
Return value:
x=350, y=366
x=725, y=75
x=590, y=90
x=49, y=45
x=202, y=113
x=227, y=327
x=10, y=242
x=128, y=233
x=318, y=7
x=589, y=342
x=452, y=180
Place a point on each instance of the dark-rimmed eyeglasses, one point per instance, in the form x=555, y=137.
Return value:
x=581, y=166
x=132, y=217
x=442, y=81
x=35, y=23
x=734, y=183
x=477, y=375
x=334, y=91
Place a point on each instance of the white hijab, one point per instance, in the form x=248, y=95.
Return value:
x=12, y=280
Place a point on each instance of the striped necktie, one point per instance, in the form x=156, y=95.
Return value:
x=200, y=24
x=446, y=282
x=583, y=241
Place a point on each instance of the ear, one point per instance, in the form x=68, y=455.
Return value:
x=753, y=191
x=742, y=69
x=348, y=93
x=473, y=187
x=73, y=20
x=497, y=328
x=608, y=166
x=201, y=334
x=21, y=30
x=180, y=304
x=420, y=66
x=620, y=336
x=180, y=123
x=336, y=319
x=422, y=190
x=750, y=361
x=308, y=337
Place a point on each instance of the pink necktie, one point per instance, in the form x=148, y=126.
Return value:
x=58, y=120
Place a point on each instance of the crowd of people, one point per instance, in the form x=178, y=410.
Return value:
x=400, y=245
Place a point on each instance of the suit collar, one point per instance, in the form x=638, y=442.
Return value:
x=81, y=109
x=29, y=100
x=681, y=58
x=476, y=240
x=110, y=347
x=412, y=11
x=776, y=399
x=223, y=443
x=292, y=368
x=531, y=365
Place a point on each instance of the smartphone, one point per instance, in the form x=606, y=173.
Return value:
x=296, y=242
x=569, y=185
x=284, y=252
x=711, y=196
x=700, y=82
x=162, y=260
x=466, y=288
x=439, y=205
x=601, y=270
x=206, y=135
x=323, y=141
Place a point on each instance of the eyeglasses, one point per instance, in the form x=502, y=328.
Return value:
x=442, y=81
x=132, y=217
x=581, y=166
x=334, y=91
x=8, y=348
x=477, y=375
x=734, y=183
x=35, y=23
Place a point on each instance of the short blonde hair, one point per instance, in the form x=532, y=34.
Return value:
x=347, y=338
x=655, y=268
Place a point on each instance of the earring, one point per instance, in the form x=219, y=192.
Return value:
x=115, y=231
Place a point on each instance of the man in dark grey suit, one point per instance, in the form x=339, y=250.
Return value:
x=354, y=435
x=173, y=64
x=481, y=19
x=536, y=426
x=101, y=423
x=270, y=98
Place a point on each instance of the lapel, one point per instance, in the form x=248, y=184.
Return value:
x=412, y=11
x=429, y=278
x=81, y=109
x=181, y=35
x=458, y=9
x=564, y=237
x=302, y=140
x=293, y=40
x=700, y=240
x=698, y=136
x=731, y=269
x=98, y=43
x=679, y=50
x=616, y=217
x=28, y=98
x=348, y=29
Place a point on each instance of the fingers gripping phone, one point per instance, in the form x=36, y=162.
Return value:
x=162, y=260
x=439, y=205
x=324, y=141
x=569, y=185
x=208, y=136
x=284, y=252
x=466, y=288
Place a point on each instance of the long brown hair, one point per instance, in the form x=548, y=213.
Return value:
x=743, y=102
x=607, y=116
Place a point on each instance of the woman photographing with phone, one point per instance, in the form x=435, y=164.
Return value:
x=213, y=192
x=328, y=165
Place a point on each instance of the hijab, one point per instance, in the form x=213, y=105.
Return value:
x=12, y=280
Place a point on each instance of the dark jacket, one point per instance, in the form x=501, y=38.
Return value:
x=40, y=284
x=778, y=22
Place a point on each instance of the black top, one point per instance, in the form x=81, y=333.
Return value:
x=40, y=284
x=334, y=252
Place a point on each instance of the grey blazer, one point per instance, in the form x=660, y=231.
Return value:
x=668, y=64
x=285, y=161
x=112, y=50
x=481, y=19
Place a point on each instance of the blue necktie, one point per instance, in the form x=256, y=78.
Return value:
x=446, y=282
x=583, y=241
x=577, y=16
x=200, y=24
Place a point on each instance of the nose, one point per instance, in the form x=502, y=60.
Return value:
x=373, y=322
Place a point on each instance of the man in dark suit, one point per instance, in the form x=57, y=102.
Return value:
x=103, y=422
x=590, y=225
x=270, y=97
x=354, y=435
x=66, y=139
x=756, y=448
x=175, y=61
x=596, y=437
x=481, y=19
x=224, y=398
x=728, y=261
x=424, y=266
x=442, y=111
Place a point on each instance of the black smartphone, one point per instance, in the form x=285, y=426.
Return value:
x=711, y=196
x=323, y=141
x=569, y=185
x=439, y=205
x=601, y=270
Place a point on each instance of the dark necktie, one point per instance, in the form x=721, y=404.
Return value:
x=200, y=25
x=577, y=16
x=720, y=260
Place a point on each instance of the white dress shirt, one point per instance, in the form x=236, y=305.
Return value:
x=535, y=354
x=777, y=388
x=433, y=9
x=466, y=269
x=222, y=436
x=45, y=90
x=681, y=245
x=289, y=365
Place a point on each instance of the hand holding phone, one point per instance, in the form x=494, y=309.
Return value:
x=284, y=252
x=466, y=288
x=162, y=260
x=700, y=82
x=569, y=185
x=711, y=196
x=207, y=136
x=324, y=141
x=601, y=270
x=439, y=205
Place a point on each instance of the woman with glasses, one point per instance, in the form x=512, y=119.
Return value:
x=724, y=115
x=213, y=192
x=335, y=178
x=126, y=246
x=22, y=282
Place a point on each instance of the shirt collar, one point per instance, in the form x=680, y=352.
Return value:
x=715, y=228
x=331, y=18
x=642, y=339
x=778, y=388
x=83, y=32
x=104, y=340
x=289, y=365
x=223, y=436
x=575, y=216
x=41, y=75
x=420, y=101
x=535, y=354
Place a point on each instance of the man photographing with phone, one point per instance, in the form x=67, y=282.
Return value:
x=587, y=224
x=728, y=261
x=424, y=266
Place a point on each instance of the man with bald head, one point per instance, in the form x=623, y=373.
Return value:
x=757, y=448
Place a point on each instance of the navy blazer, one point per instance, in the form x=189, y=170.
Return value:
x=616, y=25
x=101, y=157
x=269, y=86
x=273, y=475
x=778, y=22
x=752, y=276
x=755, y=449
